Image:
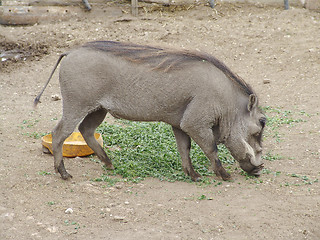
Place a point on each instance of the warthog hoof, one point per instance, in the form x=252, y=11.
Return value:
x=63, y=172
x=65, y=176
x=196, y=178
x=221, y=172
x=109, y=166
x=226, y=176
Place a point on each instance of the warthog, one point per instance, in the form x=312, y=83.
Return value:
x=194, y=92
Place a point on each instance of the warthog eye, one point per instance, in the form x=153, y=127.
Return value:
x=263, y=121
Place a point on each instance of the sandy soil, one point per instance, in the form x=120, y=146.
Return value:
x=276, y=51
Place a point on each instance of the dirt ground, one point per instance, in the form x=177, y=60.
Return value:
x=276, y=51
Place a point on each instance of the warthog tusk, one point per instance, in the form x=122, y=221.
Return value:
x=250, y=153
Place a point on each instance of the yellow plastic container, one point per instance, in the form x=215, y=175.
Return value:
x=73, y=146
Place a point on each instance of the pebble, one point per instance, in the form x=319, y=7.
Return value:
x=119, y=218
x=55, y=97
x=8, y=216
x=69, y=211
x=266, y=81
x=52, y=229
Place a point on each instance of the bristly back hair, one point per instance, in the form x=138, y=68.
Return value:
x=164, y=59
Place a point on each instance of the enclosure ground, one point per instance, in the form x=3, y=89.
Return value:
x=276, y=51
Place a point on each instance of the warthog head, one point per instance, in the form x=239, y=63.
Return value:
x=245, y=140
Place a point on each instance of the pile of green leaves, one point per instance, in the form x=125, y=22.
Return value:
x=148, y=149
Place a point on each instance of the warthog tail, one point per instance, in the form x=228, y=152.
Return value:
x=37, y=99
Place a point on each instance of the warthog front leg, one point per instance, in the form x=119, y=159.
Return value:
x=184, y=145
x=199, y=128
x=205, y=139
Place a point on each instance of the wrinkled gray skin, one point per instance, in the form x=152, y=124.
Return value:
x=198, y=101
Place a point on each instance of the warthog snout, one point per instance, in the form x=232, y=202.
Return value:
x=251, y=169
x=256, y=171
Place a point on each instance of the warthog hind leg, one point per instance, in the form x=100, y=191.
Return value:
x=87, y=129
x=59, y=134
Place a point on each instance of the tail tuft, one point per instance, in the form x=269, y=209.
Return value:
x=36, y=101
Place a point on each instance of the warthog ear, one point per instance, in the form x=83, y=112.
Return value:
x=253, y=101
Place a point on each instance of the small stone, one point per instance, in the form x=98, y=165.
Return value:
x=8, y=216
x=118, y=218
x=266, y=81
x=55, y=97
x=69, y=211
x=52, y=229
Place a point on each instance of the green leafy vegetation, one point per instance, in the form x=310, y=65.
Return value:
x=107, y=179
x=271, y=156
x=28, y=123
x=73, y=224
x=146, y=149
x=143, y=149
x=35, y=135
x=204, y=197
x=303, y=180
x=44, y=173
x=278, y=117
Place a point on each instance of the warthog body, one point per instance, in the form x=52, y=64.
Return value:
x=193, y=92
